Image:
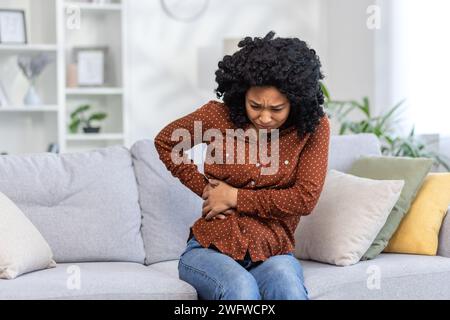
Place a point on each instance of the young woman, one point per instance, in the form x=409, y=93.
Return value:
x=242, y=246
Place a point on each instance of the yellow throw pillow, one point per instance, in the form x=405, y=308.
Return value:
x=419, y=230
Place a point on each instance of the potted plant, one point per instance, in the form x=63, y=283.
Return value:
x=79, y=117
x=383, y=126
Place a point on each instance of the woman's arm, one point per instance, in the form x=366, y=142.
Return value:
x=187, y=172
x=302, y=197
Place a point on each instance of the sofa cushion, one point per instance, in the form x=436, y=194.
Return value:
x=22, y=247
x=345, y=149
x=169, y=268
x=412, y=170
x=85, y=204
x=168, y=207
x=444, y=237
x=389, y=276
x=418, y=232
x=113, y=280
x=349, y=214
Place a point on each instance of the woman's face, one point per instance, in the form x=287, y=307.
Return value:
x=267, y=108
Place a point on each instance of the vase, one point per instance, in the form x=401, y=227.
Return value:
x=91, y=129
x=32, y=98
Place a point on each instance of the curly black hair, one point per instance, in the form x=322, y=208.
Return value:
x=285, y=63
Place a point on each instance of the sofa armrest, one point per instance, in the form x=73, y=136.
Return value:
x=444, y=237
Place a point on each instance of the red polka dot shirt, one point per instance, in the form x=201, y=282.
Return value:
x=269, y=207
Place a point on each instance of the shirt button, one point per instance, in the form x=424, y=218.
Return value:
x=253, y=183
x=286, y=162
x=227, y=155
x=258, y=165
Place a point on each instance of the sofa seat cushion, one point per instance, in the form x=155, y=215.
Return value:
x=401, y=276
x=105, y=280
x=169, y=268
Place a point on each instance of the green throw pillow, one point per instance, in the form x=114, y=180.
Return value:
x=412, y=170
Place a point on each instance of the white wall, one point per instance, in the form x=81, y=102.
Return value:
x=349, y=60
x=166, y=80
x=350, y=49
x=173, y=63
x=412, y=63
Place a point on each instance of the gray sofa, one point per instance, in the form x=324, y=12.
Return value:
x=117, y=222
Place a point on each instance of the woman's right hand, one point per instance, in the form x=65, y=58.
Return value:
x=223, y=215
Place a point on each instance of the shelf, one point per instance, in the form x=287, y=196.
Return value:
x=97, y=7
x=49, y=108
x=25, y=129
x=18, y=48
x=94, y=91
x=95, y=137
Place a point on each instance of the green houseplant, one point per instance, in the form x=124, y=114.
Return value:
x=80, y=117
x=383, y=126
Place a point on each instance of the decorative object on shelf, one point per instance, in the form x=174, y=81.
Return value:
x=13, y=26
x=4, y=100
x=79, y=117
x=72, y=76
x=186, y=11
x=32, y=66
x=53, y=148
x=91, y=66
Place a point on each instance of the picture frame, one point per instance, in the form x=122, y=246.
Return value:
x=13, y=27
x=91, y=65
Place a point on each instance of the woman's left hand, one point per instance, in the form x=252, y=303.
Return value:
x=219, y=197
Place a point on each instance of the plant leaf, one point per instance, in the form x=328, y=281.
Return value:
x=79, y=110
x=73, y=127
x=325, y=91
x=97, y=116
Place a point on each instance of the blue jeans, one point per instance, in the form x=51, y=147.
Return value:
x=217, y=276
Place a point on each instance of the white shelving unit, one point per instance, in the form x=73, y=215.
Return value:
x=27, y=48
x=30, y=129
x=96, y=137
x=102, y=25
x=94, y=91
x=30, y=109
x=95, y=6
